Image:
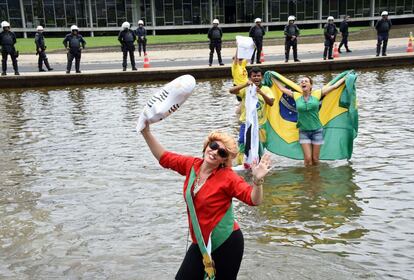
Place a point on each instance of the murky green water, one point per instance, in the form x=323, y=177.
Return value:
x=81, y=196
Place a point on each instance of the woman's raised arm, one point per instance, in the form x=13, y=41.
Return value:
x=156, y=148
x=282, y=88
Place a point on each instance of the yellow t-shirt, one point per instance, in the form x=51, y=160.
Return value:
x=261, y=107
x=239, y=72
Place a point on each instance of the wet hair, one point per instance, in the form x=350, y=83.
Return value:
x=229, y=143
x=255, y=69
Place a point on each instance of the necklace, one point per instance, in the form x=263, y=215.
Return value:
x=198, y=184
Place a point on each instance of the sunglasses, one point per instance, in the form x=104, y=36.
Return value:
x=220, y=151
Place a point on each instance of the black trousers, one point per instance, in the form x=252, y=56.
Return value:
x=258, y=50
x=142, y=44
x=227, y=259
x=291, y=44
x=4, y=55
x=382, y=38
x=125, y=51
x=43, y=59
x=215, y=45
x=74, y=55
x=344, y=42
x=328, y=48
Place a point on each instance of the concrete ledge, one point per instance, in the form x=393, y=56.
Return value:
x=32, y=80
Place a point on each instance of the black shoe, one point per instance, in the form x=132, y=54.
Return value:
x=297, y=60
x=377, y=54
x=324, y=58
x=209, y=64
x=16, y=73
x=134, y=69
x=67, y=72
x=348, y=50
x=49, y=69
x=78, y=72
x=258, y=62
x=339, y=51
x=251, y=62
x=124, y=69
x=139, y=54
x=3, y=73
x=42, y=70
x=286, y=60
x=331, y=57
x=221, y=64
x=384, y=54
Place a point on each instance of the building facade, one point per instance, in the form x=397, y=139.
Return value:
x=108, y=15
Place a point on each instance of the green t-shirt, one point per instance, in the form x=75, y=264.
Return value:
x=308, y=111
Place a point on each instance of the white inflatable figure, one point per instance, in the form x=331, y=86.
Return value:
x=245, y=47
x=251, y=133
x=167, y=100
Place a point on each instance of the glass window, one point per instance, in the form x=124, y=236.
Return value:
x=169, y=14
x=60, y=10
x=28, y=13
x=187, y=13
x=111, y=12
x=3, y=12
x=61, y=22
x=178, y=8
x=50, y=15
x=309, y=9
x=70, y=14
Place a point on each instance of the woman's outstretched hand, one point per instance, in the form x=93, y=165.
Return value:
x=259, y=170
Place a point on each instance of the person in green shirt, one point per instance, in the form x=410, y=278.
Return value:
x=308, y=123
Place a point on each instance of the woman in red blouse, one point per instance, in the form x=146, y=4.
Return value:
x=213, y=184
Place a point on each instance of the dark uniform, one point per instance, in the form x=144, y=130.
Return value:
x=74, y=42
x=41, y=51
x=343, y=28
x=7, y=42
x=290, y=31
x=141, y=33
x=127, y=39
x=257, y=33
x=383, y=27
x=330, y=33
x=214, y=34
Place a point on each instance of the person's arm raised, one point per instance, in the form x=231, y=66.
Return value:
x=236, y=89
x=156, y=148
x=282, y=88
x=328, y=88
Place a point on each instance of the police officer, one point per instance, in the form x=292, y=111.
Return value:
x=141, y=33
x=343, y=28
x=214, y=34
x=73, y=43
x=7, y=42
x=257, y=32
x=330, y=33
x=291, y=39
x=41, y=50
x=127, y=39
x=383, y=27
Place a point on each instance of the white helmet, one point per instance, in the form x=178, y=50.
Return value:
x=257, y=20
x=5, y=24
x=291, y=18
x=384, y=13
x=74, y=27
x=140, y=22
x=216, y=21
x=39, y=28
x=126, y=25
x=330, y=18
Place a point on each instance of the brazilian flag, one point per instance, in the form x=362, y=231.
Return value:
x=338, y=114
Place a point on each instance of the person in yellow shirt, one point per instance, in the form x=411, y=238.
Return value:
x=265, y=98
x=238, y=71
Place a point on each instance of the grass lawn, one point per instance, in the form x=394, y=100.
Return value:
x=28, y=46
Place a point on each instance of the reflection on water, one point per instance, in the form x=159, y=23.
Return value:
x=82, y=197
x=310, y=206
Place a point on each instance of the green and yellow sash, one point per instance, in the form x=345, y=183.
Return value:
x=219, y=234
